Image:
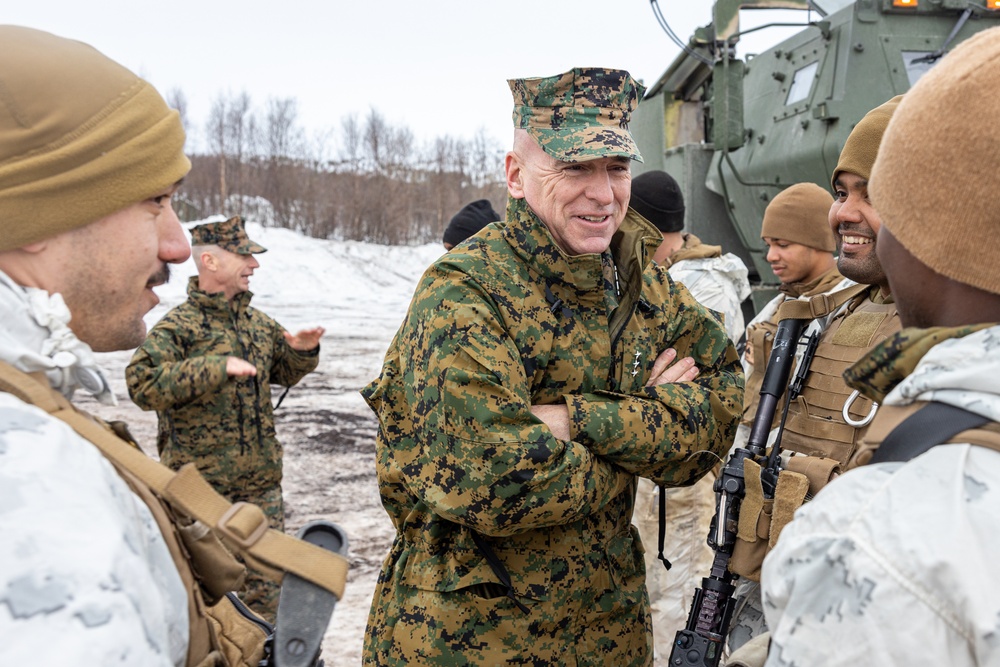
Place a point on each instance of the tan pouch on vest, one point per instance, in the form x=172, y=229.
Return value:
x=217, y=571
x=762, y=519
x=754, y=526
x=239, y=635
x=817, y=469
x=760, y=341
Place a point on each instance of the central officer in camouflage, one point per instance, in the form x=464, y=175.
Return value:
x=207, y=369
x=542, y=367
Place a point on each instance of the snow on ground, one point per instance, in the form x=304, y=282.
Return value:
x=359, y=292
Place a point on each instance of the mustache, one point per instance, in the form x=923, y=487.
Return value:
x=851, y=227
x=161, y=277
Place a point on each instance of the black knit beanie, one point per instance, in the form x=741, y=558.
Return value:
x=657, y=197
x=469, y=220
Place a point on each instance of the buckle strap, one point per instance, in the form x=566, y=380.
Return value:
x=29, y=388
x=821, y=305
x=243, y=524
x=934, y=424
x=188, y=492
x=818, y=305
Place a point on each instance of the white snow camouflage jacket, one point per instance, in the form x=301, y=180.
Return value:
x=85, y=576
x=896, y=563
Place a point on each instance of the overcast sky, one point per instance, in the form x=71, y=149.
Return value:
x=438, y=67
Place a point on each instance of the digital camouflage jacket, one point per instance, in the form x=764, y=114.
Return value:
x=224, y=425
x=504, y=321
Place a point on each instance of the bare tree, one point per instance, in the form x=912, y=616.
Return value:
x=177, y=100
x=351, y=168
x=318, y=201
x=379, y=187
x=281, y=155
x=241, y=144
x=216, y=131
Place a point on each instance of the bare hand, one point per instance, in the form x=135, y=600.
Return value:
x=236, y=367
x=305, y=340
x=556, y=417
x=666, y=370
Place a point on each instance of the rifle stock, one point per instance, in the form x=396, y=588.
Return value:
x=304, y=609
x=702, y=640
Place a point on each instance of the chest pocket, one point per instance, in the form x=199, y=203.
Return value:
x=635, y=351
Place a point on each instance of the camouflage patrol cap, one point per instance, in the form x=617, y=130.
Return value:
x=580, y=115
x=229, y=235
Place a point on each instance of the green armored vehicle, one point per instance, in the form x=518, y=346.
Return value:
x=735, y=132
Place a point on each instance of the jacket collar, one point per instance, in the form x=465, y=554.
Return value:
x=36, y=337
x=632, y=248
x=890, y=362
x=693, y=248
x=824, y=283
x=216, y=300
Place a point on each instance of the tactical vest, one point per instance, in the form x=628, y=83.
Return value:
x=816, y=425
x=195, y=522
x=760, y=336
x=762, y=519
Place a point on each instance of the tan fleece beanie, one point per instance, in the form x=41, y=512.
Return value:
x=800, y=214
x=80, y=137
x=934, y=180
x=861, y=147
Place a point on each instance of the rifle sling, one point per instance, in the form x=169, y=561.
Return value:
x=934, y=424
x=242, y=526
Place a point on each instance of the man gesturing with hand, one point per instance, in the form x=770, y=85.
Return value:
x=207, y=369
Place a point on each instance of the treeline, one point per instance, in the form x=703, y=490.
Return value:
x=366, y=181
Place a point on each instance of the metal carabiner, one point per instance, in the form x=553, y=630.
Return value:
x=858, y=423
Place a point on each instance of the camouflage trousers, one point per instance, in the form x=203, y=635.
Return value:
x=689, y=512
x=259, y=592
x=748, y=616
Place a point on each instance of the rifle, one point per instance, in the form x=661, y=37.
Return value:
x=701, y=641
x=304, y=609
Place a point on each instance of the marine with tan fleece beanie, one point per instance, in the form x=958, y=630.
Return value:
x=84, y=146
x=816, y=431
x=950, y=147
x=799, y=214
x=895, y=563
x=81, y=137
x=826, y=421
